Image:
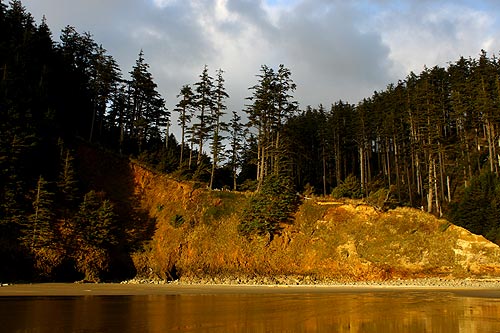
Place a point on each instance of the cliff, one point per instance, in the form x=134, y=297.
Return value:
x=196, y=236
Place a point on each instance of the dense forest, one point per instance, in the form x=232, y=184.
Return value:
x=429, y=141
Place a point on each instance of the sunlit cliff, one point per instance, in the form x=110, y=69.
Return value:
x=196, y=236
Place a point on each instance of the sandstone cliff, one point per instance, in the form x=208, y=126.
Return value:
x=196, y=236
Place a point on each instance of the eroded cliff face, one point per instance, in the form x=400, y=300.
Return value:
x=475, y=253
x=330, y=240
x=196, y=235
x=400, y=243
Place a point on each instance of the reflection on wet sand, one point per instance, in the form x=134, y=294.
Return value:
x=391, y=311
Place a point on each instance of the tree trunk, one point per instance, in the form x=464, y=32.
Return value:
x=91, y=134
x=397, y=166
x=441, y=172
x=436, y=196
x=277, y=154
x=214, y=155
x=182, y=143
x=388, y=160
x=430, y=191
x=190, y=155
x=201, y=136
x=362, y=168
x=490, y=145
x=338, y=172
x=324, y=170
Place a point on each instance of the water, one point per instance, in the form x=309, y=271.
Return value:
x=276, y=311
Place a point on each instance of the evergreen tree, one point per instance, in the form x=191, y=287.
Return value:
x=40, y=230
x=95, y=233
x=147, y=114
x=204, y=104
x=341, y=132
x=362, y=138
x=249, y=158
x=236, y=137
x=185, y=107
x=478, y=210
x=67, y=181
x=271, y=106
x=78, y=52
x=117, y=116
x=95, y=223
x=306, y=134
x=14, y=176
x=218, y=126
x=486, y=91
x=24, y=56
x=270, y=207
x=104, y=82
x=285, y=108
x=260, y=118
x=461, y=113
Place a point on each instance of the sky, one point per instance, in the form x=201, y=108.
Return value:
x=335, y=49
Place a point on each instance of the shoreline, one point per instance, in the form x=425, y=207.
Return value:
x=471, y=287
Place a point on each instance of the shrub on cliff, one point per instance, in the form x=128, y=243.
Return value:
x=275, y=203
x=348, y=188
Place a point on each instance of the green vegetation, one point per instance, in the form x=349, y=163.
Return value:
x=71, y=204
x=273, y=205
x=177, y=221
x=479, y=208
x=348, y=188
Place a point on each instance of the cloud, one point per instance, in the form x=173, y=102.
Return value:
x=436, y=34
x=335, y=49
x=332, y=56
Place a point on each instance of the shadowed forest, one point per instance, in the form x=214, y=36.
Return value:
x=428, y=141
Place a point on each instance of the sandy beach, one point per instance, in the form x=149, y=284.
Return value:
x=479, y=288
x=181, y=307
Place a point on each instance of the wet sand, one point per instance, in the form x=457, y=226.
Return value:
x=120, y=289
x=176, y=307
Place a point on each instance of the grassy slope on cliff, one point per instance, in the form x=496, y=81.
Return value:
x=197, y=236
x=328, y=241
